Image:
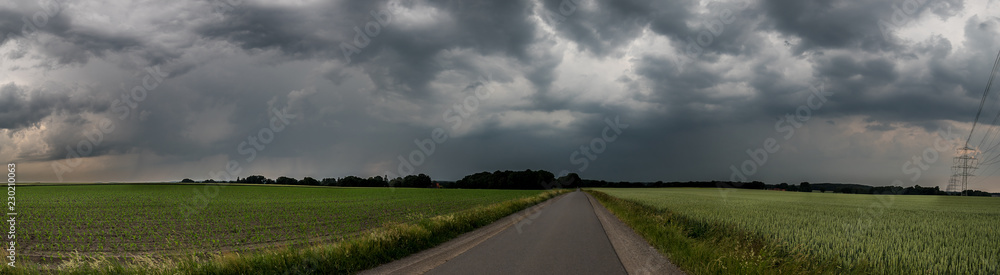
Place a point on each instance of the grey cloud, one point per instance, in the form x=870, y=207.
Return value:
x=611, y=24
x=878, y=126
x=294, y=32
x=22, y=107
x=72, y=44
x=227, y=67
x=395, y=60
x=825, y=24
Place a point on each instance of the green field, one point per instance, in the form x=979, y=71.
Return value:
x=149, y=220
x=861, y=233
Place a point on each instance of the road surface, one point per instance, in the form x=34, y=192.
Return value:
x=569, y=234
x=564, y=238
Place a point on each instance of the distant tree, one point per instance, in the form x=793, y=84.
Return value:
x=805, y=187
x=421, y=181
x=572, y=180
x=209, y=181
x=328, y=182
x=526, y=179
x=783, y=186
x=754, y=185
x=396, y=182
x=257, y=179
x=309, y=181
x=350, y=181
x=286, y=180
x=424, y=181
x=977, y=193
x=187, y=181
x=377, y=181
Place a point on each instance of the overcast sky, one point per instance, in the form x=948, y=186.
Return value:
x=611, y=89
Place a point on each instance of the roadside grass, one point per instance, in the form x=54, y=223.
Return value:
x=698, y=247
x=354, y=254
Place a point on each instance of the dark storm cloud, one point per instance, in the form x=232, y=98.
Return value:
x=862, y=25
x=73, y=44
x=396, y=60
x=704, y=80
x=8, y=24
x=606, y=26
x=295, y=32
x=22, y=18
x=827, y=24
x=20, y=107
x=409, y=59
x=873, y=85
x=687, y=91
x=865, y=84
x=77, y=46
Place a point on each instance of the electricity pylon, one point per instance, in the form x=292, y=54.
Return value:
x=963, y=165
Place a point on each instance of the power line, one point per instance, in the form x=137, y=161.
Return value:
x=969, y=159
x=983, y=100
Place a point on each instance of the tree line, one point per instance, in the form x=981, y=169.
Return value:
x=419, y=180
x=541, y=179
x=526, y=179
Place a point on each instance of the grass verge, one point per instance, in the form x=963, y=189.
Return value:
x=362, y=252
x=698, y=247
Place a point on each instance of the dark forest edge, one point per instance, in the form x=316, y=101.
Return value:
x=541, y=179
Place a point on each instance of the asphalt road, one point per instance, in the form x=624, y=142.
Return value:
x=566, y=237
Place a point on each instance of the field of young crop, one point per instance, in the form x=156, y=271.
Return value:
x=890, y=234
x=129, y=220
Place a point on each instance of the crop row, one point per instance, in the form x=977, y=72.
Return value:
x=891, y=234
x=124, y=219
